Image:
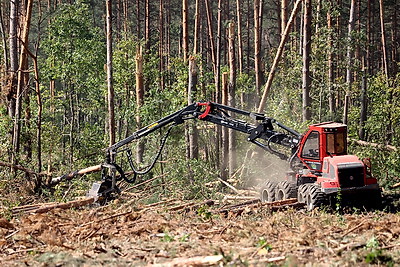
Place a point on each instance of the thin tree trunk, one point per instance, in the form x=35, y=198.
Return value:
x=196, y=28
x=239, y=34
x=4, y=40
x=147, y=26
x=224, y=131
x=349, y=58
x=38, y=117
x=11, y=96
x=284, y=6
x=110, y=99
x=211, y=38
x=139, y=100
x=331, y=96
x=192, y=91
x=161, y=43
x=231, y=95
x=306, y=87
x=383, y=38
x=185, y=38
x=394, y=36
x=369, y=38
x=22, y=82
x=364, y=102
x=138, y=18
x=257, y=47
x=278, y=56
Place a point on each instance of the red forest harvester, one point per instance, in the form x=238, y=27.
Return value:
x=320, y=166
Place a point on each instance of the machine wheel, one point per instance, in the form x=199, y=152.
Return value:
x=285, y=190
x=267, y=192
x=302, y=193
x=373, y=200
x=314, y=197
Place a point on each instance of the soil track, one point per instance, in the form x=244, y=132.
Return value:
x=128, y=234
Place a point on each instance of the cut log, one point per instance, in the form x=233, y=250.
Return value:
x=43, y=208
x=71, y=175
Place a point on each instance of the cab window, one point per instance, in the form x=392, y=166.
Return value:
x=311, y=146
x=336, y=143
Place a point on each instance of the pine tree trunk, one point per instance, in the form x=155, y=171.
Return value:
x=13, y=45
x=139, y=101
x=138, y=18
x=185, y=38
x=231, y=95
x=192, y=92
x=364, y=102
x=4, y=43
x=22, y=82
x=224, y=131
x=161, y=43
x=239, y=34
x=331, y=96
x=284, y=6
x=257, y=47
x=349, y=58
x=385, y=63
x=147, y=26
x=306, y=61
x=196, y=28
x=110, y=99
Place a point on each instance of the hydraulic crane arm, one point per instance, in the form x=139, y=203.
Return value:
x=262, y=133
x=218, y=114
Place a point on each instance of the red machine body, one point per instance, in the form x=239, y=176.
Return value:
x=326, y=169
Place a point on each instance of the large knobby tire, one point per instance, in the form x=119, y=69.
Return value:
x=373, y=200
x=267, y=192
x=315, y=197
x=302, y=193
x=285, y=190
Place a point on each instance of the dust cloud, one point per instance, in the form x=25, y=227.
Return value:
x=260, y=166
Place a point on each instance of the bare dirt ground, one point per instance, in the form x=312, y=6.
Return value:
x=170, y=233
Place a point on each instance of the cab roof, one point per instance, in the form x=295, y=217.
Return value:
x=330, y=124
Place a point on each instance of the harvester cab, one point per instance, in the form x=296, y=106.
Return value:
x=322, y=140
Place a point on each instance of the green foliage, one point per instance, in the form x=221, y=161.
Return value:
x=204, y=213
x=74, y=55
x=381, y=128
x=375, y=255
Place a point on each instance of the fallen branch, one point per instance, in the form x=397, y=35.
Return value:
x=228, y=185
x=353, y=229
x=194, y=261
x=21, y=168
x=191, y=205
x=375, y=145
x=42, y=208
x=395, y=186
x=67, y=205
x=107, y=218
x=145, y=182
x=267, y=260
x=274, y=206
